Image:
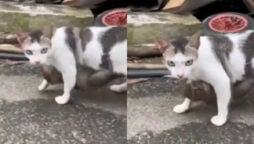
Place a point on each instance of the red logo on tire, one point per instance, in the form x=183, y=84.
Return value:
x=116, y=17
x=228, y=23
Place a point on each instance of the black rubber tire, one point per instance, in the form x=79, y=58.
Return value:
x=208, y=30
x=13, y=56
x=190, y=5
x=98, y=21
x=142, y=73
x=49, y=1
x=162, y=3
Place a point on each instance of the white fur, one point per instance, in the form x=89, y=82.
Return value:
x=180, y=68
x=44, y=84
x=183, y=107
x=93, y=53
x=118, y=56
x=37, y=56
x=119, y=88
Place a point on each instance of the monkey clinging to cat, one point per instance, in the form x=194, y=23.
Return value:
x=67, y=49
x=225, y=62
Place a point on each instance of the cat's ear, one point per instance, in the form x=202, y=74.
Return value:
x=21, y=36
x=162, y=45
x=48, y=31
x=195, y=40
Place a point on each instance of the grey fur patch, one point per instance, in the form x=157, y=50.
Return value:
x=100, y=77
x=51, y=74
x=71, y=40
x=248, y=50
x=35, y=36
x=222, y=47
x=196, y=91
x=85, y=36
x=113, y=36
x=180, y=45
x=106, y=62
x=108, y=40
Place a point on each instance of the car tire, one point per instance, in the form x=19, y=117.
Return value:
x=229, y=22
x=115, y=17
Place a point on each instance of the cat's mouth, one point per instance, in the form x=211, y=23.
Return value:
x=36, y=63
x=183, y=79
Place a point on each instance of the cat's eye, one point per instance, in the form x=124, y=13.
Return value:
x=44, y=50
x=28, y=52
x=189, y=62
x=171, y=63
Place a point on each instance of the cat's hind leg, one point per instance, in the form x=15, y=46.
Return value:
x=100, y=78
x=119, y=87
x=183, y=107
x=44, y=84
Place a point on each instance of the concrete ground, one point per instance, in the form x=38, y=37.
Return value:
x=152, y=121
x=96, y=116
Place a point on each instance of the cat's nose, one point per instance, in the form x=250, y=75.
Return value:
x=180, y=76
x=37, y=62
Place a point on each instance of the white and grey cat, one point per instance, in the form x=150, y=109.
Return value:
x=221, y=61
x=103, y=49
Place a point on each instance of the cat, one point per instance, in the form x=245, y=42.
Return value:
x=219, y=60
x=103, y=49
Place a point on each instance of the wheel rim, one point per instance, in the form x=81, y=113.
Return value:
x=115, y=18
x=228, y=23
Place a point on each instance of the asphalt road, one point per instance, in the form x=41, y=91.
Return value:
x=98, y=116
x=94, y=116
x=152, y=121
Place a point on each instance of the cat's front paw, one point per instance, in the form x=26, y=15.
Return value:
x=218, y=120
x=181, y=108
x=43, y=85
x=62, y=99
